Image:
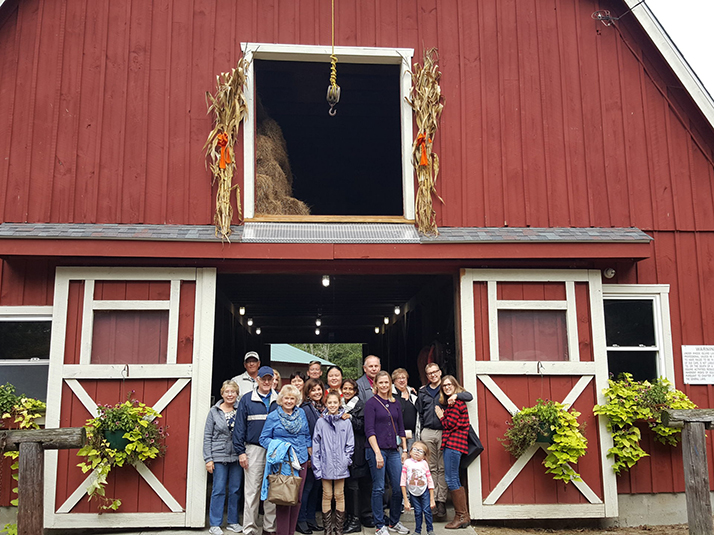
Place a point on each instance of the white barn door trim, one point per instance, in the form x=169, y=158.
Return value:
x=485, y=507
x=196, y=376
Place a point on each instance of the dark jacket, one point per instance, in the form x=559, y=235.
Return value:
x=311, y=414
x=425, y=407
x=250, y=420
x=383, y=420
x=217, y=445
x=359, y=462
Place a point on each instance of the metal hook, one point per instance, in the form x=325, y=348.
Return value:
x=125, y=371
x=333, y=97
x=332, y=111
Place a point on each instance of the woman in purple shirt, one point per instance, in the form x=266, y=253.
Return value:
x=384, y=429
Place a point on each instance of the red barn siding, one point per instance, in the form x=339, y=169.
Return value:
x=549, y=121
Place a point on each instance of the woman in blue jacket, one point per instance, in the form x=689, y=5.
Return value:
x=289, y=424
x=222, y=460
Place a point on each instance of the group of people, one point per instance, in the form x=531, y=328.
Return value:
x=344, y=437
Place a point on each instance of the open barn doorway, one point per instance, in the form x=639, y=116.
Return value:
x=406, y=320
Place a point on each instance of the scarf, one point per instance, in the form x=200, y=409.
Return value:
x=291, y=422
x=319, y=407
x=332, y=418
x=351, y=404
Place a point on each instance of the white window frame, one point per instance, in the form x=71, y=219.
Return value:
x=25, y=314
x=659, y=294
x=311, y=53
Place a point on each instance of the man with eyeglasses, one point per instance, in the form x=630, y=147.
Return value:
x=431, y=430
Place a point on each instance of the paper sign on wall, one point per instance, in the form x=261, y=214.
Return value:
x=698, y=364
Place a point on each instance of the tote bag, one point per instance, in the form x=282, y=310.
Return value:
x=284, y=489
x=475, y=448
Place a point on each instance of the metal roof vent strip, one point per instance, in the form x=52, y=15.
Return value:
x=329, y=233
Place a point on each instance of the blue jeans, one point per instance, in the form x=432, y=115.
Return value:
x=393, y=469
x=230, y=474
x=452, y=458
x=421, y=505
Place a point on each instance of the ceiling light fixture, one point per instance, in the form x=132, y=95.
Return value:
x=318, y=322
x=317, y=331
x=325, y=280
x=376, y=330
x=250, y=322
x=397, y=310
x=258, y=330
x=241, y=311
x=386, y=320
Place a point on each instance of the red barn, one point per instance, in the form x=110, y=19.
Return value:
x=576, y=170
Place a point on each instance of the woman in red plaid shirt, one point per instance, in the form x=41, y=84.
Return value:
x=454, y=442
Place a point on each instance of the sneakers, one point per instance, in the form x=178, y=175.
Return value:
x=235, y=528
x=399, y=528
x=382, y=531
x=215, y=530
x=429, y=533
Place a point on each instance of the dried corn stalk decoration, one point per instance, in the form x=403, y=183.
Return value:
x=427, y=102
x=229, y=108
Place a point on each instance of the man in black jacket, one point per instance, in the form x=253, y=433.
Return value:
x=427, y=399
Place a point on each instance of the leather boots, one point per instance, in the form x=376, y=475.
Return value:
x=461, y=511
x=328, y=521
x=338, y=522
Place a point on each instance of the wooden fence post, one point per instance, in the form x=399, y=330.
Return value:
x=30, y=493
x=696, y=471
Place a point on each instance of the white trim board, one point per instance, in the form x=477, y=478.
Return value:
x=674, y=58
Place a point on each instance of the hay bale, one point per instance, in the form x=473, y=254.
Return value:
x=271, y=169
x=273, y=179
x=270, y=135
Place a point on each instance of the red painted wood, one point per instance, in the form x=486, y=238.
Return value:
x=73, y=333
x=582, y=305
x=187, y=305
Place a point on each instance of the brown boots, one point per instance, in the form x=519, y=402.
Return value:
x=461, y=510
x=334, y=522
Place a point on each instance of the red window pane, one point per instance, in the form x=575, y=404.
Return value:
x=130, y=337
x=532, y=335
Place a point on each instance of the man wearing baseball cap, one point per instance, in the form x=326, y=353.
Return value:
x=248, y=380
x=252, y=411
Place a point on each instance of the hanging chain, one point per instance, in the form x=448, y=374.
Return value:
x=333, y=90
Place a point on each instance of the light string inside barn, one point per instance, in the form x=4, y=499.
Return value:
x=333, y=90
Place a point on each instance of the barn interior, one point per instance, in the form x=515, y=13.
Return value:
x=393, y=316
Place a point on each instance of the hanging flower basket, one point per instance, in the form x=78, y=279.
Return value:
x=125, y=433
x=548, y=422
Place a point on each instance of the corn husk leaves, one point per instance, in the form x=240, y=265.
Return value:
x=229, y=108
x=428, y=103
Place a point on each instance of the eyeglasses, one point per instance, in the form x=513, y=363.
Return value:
x=446, y=384
x=418, y=450
x=435, y=372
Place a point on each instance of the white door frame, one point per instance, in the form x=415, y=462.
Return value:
x=480, y=371
x=197, y=375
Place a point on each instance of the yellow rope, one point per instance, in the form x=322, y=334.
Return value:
x=333, y=68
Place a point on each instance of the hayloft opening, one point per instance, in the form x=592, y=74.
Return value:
x=311, y=163
x=283, y=309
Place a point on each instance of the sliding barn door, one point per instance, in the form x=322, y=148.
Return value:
x=145, y=332
x=529, y=334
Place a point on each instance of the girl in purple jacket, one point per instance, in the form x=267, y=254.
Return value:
x=332, y=446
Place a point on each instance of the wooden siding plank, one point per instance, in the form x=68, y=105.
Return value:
x=20, y=166
x=9, y=64
x=89, y=143
x=65, y=167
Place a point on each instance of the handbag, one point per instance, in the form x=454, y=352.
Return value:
x=284, y=489
x=475, y=448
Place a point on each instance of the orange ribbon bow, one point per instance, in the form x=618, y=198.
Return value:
x=421, y=140
x=222, y=141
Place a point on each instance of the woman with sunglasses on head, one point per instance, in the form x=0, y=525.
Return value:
x=454, y=443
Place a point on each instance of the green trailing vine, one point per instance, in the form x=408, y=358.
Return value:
x=548, y=421
x=23, y=412
x=629, y=402
x=143, y=440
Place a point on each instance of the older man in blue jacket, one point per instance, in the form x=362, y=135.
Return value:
x=252, y=411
